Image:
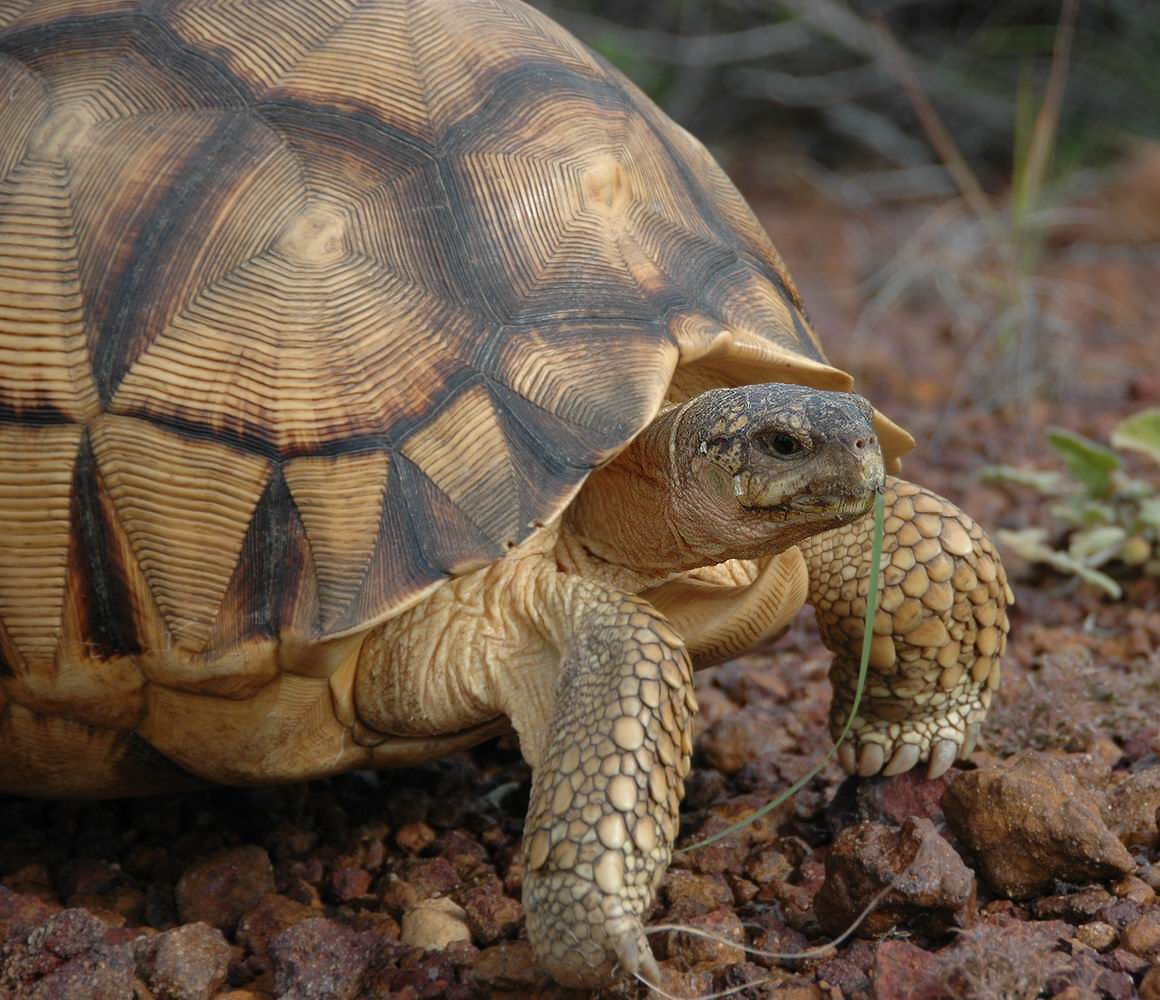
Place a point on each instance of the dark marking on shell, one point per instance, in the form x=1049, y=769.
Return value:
x=106, y=606
x=274, y=586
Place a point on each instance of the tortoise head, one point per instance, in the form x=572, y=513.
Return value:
x=733, y=474
x=768, y=465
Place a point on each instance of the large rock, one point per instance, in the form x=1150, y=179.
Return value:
x=930, y=884
x=218, y=889
x=1030, y=824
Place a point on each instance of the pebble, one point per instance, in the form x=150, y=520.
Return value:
x=1150, y=984
x=270, y=917
x=903, y=971
x=1132, y=807
x=1030, y=824
x=889, y=800
x=415, y=837
x=697, y=950
x=1135, y=889
x=1097, y=935
x=1075, y=907
x=508, y=966
x=491, y=916
x=218, y=889
x=186, y=963
x=435, y=923
x=931, y=885
x=321, y=960
x=1142, y=937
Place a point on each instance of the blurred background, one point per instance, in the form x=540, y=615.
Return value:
x=968, y=193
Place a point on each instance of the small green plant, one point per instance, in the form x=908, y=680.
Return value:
x=1109, y=517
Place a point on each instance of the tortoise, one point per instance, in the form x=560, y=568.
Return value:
x=379, y=376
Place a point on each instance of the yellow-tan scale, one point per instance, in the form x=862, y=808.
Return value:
x=307, y=306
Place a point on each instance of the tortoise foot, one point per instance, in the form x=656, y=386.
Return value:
x=939, y=632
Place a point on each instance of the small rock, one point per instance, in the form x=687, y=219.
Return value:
x=1122, y=960
x=415, y=837
x=1135, y=889
x=746, y=734
x=1030, y=823
x=1121, y=912
x=321, y=960
x=435, y=923
x=186, y=963
x=428, y=876
x=1132, y=807
x=889, y=800
x=1075, y=907
x=20, y=913
x=1097, y=935
x=725, y=855
x=491, y=916
x=766, y=864
x=695, y=949
x=930, y=881
x=903, y=971
x=775, y=936
x=845, y=975
x=1142, y=937
x=349, y=883
x=270, y=917
x=218, y=889
x=465, y=853
x=1150, y=874
x=691, y=895
x=508, y=966
x=1150, y=984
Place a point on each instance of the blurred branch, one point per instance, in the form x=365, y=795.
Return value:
x=809, y=91
x=1047, y=120
x=940, y=138
x=696, y=50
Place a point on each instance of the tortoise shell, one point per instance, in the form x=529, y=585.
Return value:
x=307, y=305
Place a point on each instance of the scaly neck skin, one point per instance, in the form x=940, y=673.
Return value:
x=626, y=517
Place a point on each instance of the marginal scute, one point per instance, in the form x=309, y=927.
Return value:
x=340, y=499
x=35, y=485
x=186, y=519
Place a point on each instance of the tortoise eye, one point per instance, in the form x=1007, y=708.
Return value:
x=780, y=444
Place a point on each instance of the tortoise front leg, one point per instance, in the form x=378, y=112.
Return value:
x=608, y=768
x=939, y=633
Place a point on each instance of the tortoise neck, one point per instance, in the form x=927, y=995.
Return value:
x=624, y=515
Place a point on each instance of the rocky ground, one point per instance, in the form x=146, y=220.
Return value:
x=1030, y=870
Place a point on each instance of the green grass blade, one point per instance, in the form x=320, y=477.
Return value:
x=867, y=636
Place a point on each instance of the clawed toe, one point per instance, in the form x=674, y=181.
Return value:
x=903, y=759
x=870, y=759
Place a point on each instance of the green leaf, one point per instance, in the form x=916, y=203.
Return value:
x=1088, y=462
x=1045, y=481
x=1140, y=432
x=1095, y=546
x=1029, y=545
x=1150, y=513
